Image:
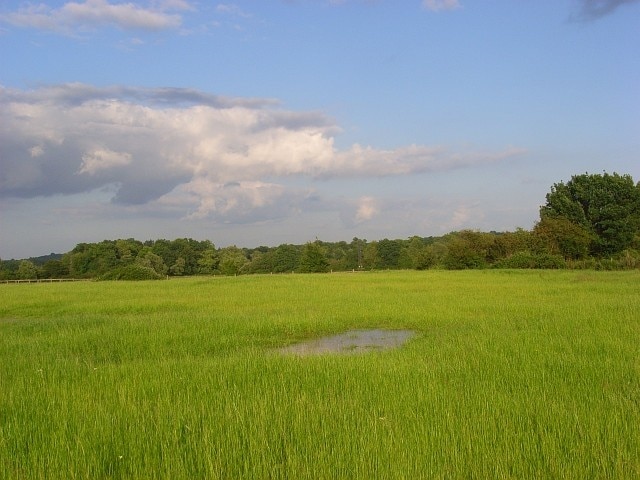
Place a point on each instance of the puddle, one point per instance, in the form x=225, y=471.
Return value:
x=353, y=341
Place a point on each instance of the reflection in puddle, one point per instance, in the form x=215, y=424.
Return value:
x=353, y=341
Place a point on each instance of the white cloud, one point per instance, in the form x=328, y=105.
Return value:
x=78, y=16
x=440, y=5
x=36, y=151
x=367, y=209
x=462, y=215
x=103, y=159
x=174, y=5
x=191, y=152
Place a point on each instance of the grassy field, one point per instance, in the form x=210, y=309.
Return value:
x=513, y=374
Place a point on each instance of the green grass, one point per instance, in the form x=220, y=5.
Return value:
x=514, y=374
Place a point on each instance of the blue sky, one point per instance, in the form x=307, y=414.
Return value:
x=281, y=121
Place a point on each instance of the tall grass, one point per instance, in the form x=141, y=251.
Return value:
x=514, y=374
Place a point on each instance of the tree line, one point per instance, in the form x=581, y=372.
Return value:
x=592, y=221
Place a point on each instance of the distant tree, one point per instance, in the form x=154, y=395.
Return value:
x=560, y=236
x=55, y=269
x=232, y=260
x=420, y=257
x=186, y=248
x=133, y=271
x=339, y=256
x=164, y=248
x=313, y=258
x=103, y=257
x=261, y=262
x=286, y=258
x=177, y=269
x=605, y=205
x=127, y=250
x=148, y=259
x=92, y=259
x=404, y=260
x=208, y=261
x=370, y=257
x=527, y=259
x=356, y=251
x=507, y=243
x=468, y=249
x=27, y=270
x=9, y=269
x=389, y=253
x=78, y=260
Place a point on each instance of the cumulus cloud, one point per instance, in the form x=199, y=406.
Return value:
x=367, y=209
x=461, y=216
x=239, y=202
x=189, y=151
x=36, y=151
x=75, y=16
x=440, y=5
x=103, y=159
x=593, y=9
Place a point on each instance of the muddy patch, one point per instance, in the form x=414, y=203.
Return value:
x=352, y=342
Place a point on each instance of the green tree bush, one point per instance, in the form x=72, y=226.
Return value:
x=55, y=269
x=261, y=262
x=467, y=249
x=147, y=258
x=313, y=258
x=132, y=272
x=27, y=270
x=560, y=236
x=419, y=255
x=526, y=259
x=208, y=261
x=605, y=205
x=232, y=260
x=286, y=258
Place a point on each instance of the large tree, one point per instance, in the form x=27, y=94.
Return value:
x=286, y=258
x=27, y=270
x=606, y=205
x=313, y=258
x=232, y=260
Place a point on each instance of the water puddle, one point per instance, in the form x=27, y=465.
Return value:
x=353, y=341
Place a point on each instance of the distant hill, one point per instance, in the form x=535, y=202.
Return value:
x=45, y=258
